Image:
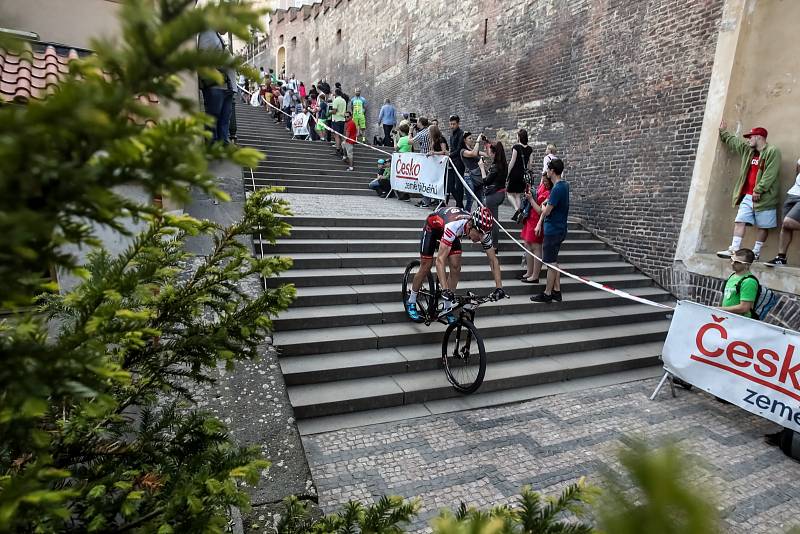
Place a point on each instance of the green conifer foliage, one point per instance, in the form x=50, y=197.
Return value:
x=97, y=427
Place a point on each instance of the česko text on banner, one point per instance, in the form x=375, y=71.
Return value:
x=419, y=173
x=751, y=364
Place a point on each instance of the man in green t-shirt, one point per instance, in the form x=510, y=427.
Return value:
x=740, y=300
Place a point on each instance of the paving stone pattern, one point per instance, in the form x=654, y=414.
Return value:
x=483, y=457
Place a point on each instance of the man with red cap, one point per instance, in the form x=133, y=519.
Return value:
x=756, y=190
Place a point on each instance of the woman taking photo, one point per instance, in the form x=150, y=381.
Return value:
x=494, y=183
x=532, y=241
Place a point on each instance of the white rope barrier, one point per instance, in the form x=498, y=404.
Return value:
x=581, y=279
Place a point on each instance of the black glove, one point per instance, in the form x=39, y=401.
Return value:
x=498, y=294
x=448, y=295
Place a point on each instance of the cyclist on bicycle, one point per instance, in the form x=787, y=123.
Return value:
x=444, y=228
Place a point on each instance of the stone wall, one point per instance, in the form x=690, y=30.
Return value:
x=619, y=85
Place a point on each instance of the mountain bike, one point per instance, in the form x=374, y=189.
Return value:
x=463, y=351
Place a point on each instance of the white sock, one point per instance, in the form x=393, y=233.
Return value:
x=736, y=244
x=412, y=297
x=757, y=247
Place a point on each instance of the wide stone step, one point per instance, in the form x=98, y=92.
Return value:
x=322, y=368
x=346, y=396
x=280, y=159
x=313, y=190
x=377, y=222
x=289, y=246
x=357, y=294
x=338, y=169
x=387, y=233
x=299, y=147
x=387, y=275
x=333, y=260
x=340, y=339
x=282, y=181
x=339, y=315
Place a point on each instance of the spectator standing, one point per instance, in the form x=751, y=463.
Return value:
x=292, y=83
x=263, y=75
x=403, y=146
x=456, y=188
x=439, y=147
x=387, y=119
x=756, y=189
x=288, y=107
x=344, y=95
x=313, y=93
x=302, y=90
x=324, y=87
x=350, y=133
x=470, y=156
x=338, y=110
x=791, y=220
x=549, y=155
x=494, y=183
x=273, y=78
x=553, y=226
x=533, y=241
x=520, y=158
x=422, y=142
x=358, y=107
x=242, y=88
x=217, y=98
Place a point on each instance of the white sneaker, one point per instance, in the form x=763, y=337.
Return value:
x=349, y=168
x=726, y=253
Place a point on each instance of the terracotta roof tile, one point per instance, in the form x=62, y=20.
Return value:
x=36, y=72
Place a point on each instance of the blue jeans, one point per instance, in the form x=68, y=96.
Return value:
x=473, y=186
x=218, y=102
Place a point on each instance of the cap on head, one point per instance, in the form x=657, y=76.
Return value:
x=381, y=161
x=757, y=131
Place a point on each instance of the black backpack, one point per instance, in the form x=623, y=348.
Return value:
x=765, y=298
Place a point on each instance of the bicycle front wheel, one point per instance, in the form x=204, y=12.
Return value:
x=464, y=356
x=426, y=298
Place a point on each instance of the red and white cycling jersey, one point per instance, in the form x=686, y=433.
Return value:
x=451, y=222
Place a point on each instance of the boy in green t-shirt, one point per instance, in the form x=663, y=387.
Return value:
x=740, y=301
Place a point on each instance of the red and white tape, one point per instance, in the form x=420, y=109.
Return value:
x=581, y=279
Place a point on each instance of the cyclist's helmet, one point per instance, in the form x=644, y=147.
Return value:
x=482, y=219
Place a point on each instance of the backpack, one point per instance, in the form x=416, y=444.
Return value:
x=766, y=299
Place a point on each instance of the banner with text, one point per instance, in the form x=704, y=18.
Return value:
x=300, y=125
x=754, y=365
x=419, y=173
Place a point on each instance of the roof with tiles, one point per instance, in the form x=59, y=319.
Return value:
x=36, y=72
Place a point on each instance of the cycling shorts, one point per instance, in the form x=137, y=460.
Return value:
x=430, y=242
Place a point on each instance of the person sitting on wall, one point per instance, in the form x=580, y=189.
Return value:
x=791, y=220
x=756, y=189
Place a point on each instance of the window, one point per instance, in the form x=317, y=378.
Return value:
x=294, y=42
x=339, y=35
x=485, y=29
x=316, y=43
x=280, y=39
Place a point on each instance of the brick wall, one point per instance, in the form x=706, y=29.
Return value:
x=618, y=85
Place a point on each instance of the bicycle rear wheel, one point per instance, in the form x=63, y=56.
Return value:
x=464, y=356
x=426, y=298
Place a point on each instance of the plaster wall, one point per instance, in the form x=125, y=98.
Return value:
x=754, y=83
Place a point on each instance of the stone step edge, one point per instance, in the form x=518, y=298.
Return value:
x=331, y=423
x=405, y=387
x=374, y=363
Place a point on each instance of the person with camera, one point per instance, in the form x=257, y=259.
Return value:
x=470, y=156
x=494, y=183
x=535, y=199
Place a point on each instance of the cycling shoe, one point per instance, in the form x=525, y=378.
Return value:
x=411, y=310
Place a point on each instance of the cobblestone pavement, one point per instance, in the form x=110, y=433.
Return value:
x=483, y=457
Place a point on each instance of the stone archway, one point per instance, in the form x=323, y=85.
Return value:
x=280, y=63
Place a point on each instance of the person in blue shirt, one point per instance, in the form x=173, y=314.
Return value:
x=387, y=118
x=553, y=224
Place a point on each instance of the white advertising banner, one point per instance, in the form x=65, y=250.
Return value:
x=300, y=125
x=419, y=173
x=751, y=364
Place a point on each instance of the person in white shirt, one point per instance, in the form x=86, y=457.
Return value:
x=791, y=220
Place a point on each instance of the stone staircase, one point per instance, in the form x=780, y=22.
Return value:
x=346, y=346
x=301, y=166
